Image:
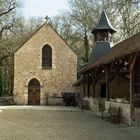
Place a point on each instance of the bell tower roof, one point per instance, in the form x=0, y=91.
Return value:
x=104, y=24
x=103, y=39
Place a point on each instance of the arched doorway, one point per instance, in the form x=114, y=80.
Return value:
x=34, y=92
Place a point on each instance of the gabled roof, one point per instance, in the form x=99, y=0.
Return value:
x=104, y=24
x=36, y=30
x=122, y=49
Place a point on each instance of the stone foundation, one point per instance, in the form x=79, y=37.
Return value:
x=96, y=105
x=125, y=110
x=55, y=101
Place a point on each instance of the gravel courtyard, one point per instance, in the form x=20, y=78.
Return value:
x=55, y=124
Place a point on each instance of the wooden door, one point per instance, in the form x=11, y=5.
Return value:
x=34, y=92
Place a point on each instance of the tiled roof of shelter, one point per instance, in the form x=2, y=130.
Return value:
x=126, y=47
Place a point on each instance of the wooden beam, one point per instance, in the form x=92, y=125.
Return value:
x=93, y=84
x=132, y=63
x=124, y=76
x=97, y=76
x=131, y=89
x=83, y=93
x=124, y=73
x=84, y=86
x=88, y=85
x=107, y=83
x=115, y=73
x=111, y=65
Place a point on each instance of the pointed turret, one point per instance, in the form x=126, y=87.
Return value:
x=103, y=30
x=104, y=24
x=103, y=38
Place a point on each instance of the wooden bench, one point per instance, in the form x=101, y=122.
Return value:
x=113, y=113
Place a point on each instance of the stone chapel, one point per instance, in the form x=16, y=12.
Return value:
x=44, y=67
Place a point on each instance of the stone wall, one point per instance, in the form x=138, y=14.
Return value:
x=119, y=88
x=136, y=116
x=125, y=110
x=28, y=65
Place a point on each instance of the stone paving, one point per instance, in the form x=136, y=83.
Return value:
x=57, y=123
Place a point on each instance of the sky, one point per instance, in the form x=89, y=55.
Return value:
x=42, y=8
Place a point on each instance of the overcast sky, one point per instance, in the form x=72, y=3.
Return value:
x=42, y=8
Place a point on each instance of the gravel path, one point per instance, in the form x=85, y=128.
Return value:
x=22, y=124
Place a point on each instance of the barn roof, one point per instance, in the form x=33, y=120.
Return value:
x=126, y=47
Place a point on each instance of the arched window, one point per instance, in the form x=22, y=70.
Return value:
x=46, y=57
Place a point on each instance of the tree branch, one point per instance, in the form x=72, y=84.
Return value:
x=12, y=6
x=7, y=27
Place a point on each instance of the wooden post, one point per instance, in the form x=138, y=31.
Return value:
x=131, y=92
x=132, y=65
x=107, y=84
x=93, y=84
x=84, y=85
x=88, y=85
x=83, y=93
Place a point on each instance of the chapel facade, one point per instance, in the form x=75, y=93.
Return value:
x=44, y=67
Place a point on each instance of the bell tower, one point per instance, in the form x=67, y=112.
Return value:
x=103, y=38
x=103, y=30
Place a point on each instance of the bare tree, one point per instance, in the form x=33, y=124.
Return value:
x=82, y=17
x=130, y=18
x=11, y=41
x=7, y=14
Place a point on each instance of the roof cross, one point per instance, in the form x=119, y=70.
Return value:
x=47, y=19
